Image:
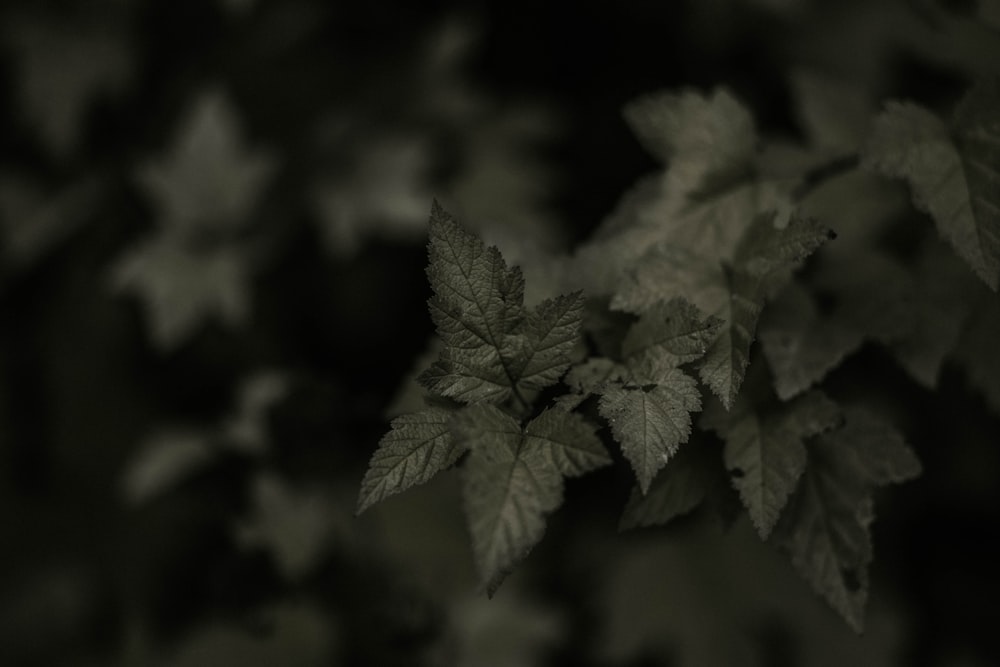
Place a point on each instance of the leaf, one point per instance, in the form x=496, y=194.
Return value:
x=674, y=332
x=833, y=113
x=550, y=332
x=384, y=194
x=801, y=344
x=953, y=170
x=649, y=415
x=418, y=446
x=508, y=489
x=294, y=524
x=708, y=141
x=64, y=67
x=676, y=490
x=825, y=527
x=209, y=181
x=763, y=261
x=766, y=455
x=181, y=290
x=495, y=349
x=567, y=442
x=165, y=460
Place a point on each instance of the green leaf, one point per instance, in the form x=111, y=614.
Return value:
x=675, y=333
x=825, y=527
x=676, y=490
x=567, y=442
x=181, y=290
x=417, y=447
x=763, y=262
x=952, y=169
x=508, y=489
x=650, y=416
x=765, y=452
x=708, y=141
x=551, y=331
x=209, y=181
x=494, y=348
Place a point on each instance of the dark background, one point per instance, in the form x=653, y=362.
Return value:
x=93, y=574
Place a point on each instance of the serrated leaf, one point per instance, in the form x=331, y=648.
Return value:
x=588, y=378
x=508, y=489
x=725, y=363
x=650, y=416
x=763, y=262
x=417, y=447
x=953, y=171
x=675, y=332
x=765, y=452
x=567, y=441
x=494, y=349
x=676, y=490
x=550, y=332
x=825, y=527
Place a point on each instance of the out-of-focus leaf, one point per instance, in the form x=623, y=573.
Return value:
x=63, y=67
x=508, y=631
x=163, y=461
x=181, y=290
x=295, y=524
x=825, y=527
x=209, y=179
x=952, y=170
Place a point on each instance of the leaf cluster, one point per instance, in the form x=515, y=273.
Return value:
x=658, y=320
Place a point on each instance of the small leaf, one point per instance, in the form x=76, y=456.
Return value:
x=676, y=490
x=650, y=416
x=825, y=527
x=181, y=290
x=567, y=441
x=550, y=332
x=675, y=332
x=209, y=181
x=418, y=446
x=952, y=171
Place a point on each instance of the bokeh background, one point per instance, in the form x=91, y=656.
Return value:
x=212, y=227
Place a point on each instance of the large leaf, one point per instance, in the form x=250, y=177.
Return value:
x=953, y=170
x=508, y=489
x=494, y=347
x=825, y=527
x=765, y=452
x=418, y=446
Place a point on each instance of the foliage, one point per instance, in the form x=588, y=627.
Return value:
x=700, y=281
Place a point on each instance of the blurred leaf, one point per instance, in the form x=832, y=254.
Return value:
x=33, y=221
x=299, y=635
x=295, y=524
x=825, y=527
x=952, y=170
x=181, y=290
x=508, y=631
x=63, y=67
x=765, y=451
x=384, y=193
x=209, y=180
x=163, y=461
